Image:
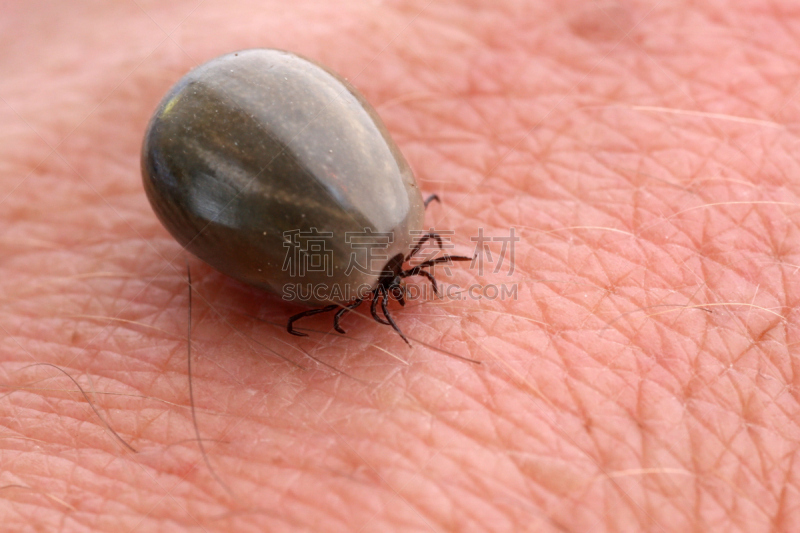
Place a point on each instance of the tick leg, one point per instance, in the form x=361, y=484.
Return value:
x=443, y=259
x=373, y=309
x=304, y=314
x=430, y=235
x=399, y=294
x=431, y=198
x=425, y=238
x=385, y=309
x=418, y=271
x=341, y=312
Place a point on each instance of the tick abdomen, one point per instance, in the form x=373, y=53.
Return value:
x=258, y=144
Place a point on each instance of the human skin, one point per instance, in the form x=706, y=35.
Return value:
x=642, y=380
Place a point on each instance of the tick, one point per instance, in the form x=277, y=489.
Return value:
x=276, y=171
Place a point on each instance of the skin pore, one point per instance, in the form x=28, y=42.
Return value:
x=641, y=380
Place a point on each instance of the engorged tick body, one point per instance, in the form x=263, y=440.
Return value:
x=254, y=149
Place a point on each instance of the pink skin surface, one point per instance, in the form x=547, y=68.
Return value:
x=644, y=379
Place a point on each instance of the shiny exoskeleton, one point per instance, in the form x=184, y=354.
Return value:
x=254, y=149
